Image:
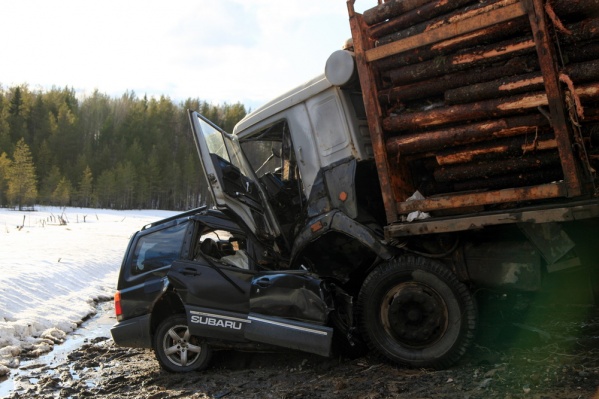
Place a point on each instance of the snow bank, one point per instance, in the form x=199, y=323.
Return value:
x=51, y=274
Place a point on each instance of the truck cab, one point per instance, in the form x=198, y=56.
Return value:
x=310, y=149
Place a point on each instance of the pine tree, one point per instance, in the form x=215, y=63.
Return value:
x=4, y=167
x=22, y=180
x=62, y=194
x=85, y=188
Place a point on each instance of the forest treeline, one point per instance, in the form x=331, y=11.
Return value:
x=97, y=151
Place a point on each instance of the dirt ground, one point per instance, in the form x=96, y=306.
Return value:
x=523, y=350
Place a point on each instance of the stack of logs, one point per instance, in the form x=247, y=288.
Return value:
x=470, y=111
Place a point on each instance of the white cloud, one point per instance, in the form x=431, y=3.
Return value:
x=227, y=50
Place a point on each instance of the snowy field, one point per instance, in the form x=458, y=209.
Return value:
x=51, y=274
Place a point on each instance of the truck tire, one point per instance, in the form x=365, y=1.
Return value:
x=176, y=350
x=415, y=312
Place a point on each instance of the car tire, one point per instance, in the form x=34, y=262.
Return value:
x=176, y=350
x=415, y=312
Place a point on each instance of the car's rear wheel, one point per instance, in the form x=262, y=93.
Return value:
x=414, y=311
x=177, y=350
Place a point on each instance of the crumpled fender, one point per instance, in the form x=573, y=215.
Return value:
x=340, y=222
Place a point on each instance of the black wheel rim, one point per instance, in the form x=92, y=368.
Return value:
x=414, y=314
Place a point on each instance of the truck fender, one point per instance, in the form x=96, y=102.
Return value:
x=340, y=222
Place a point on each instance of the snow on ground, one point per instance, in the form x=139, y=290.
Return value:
x=51, y=274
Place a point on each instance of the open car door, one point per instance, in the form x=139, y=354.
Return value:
x=232, y=182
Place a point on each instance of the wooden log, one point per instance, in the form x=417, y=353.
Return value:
x=497, y=167
x=441, y=66
x=421, y=14
x=483, y=36
x=506, y=148
x=581, y=31
x=461, y=61
x=581, y=52
x=439, y=34
x=578, y=73
x=497, y=88
x=466, y=134
x=483, y=109
x=529, y=178
x=591, y=114
x=390, y=9
x=437, y=86
x=487, y=198
x=565, y=8
x=456, y=17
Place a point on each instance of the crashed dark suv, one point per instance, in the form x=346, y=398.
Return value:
x=214, y=278
x=199, y=281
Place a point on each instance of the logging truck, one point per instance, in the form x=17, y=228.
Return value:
x=450, y=148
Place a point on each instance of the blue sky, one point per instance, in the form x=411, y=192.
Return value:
x=216, y=50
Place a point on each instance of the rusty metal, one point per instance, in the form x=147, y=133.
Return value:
x=369, y=95
x=466, y=134
x=555, y=97
x=531, y=214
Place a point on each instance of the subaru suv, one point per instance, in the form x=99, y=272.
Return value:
x=215, y=278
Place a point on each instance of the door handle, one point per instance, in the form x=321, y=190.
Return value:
x=188, y=271
x=264, y=282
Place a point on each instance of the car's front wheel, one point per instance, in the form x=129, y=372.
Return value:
x=177, y=350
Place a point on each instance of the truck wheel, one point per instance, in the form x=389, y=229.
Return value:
x=415, y=312
x=176, y=350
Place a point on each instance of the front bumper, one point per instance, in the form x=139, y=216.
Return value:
x=133, y=333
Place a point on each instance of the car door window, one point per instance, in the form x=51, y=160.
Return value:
x=157, y=249
x=223, y=247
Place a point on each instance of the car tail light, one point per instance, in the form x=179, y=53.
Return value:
x=117, y=305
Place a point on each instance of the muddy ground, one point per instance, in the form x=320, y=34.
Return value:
x=523, y=350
